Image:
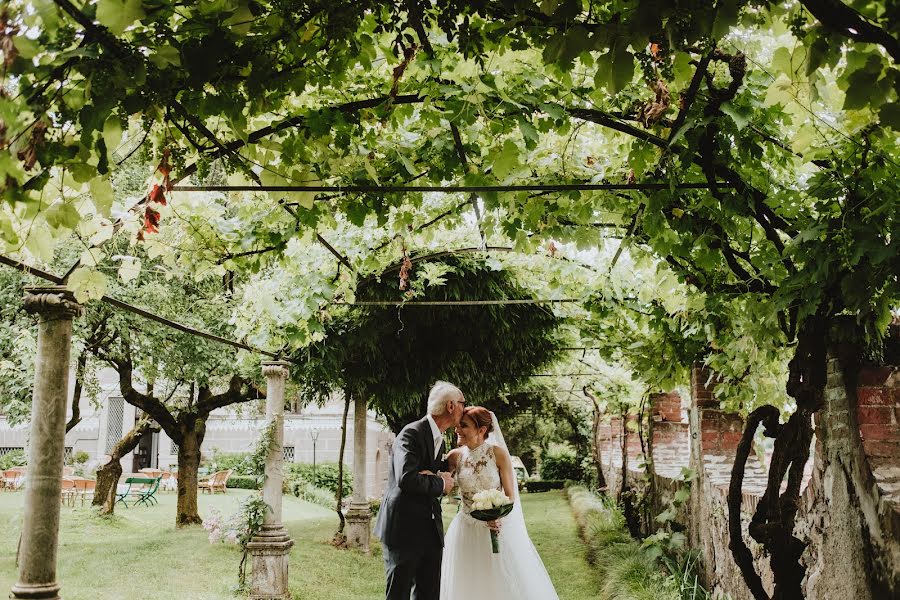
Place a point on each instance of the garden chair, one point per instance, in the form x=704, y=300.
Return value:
x=167, y=482
x=14, y=478
x=67, y=492
x=84, y=488
x=216, y=483
x=143, y=489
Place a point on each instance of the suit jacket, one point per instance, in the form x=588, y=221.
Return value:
x=410, y=513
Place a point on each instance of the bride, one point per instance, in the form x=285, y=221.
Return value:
x=470, y=569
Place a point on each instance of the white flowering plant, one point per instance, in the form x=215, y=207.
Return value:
x=490, y=505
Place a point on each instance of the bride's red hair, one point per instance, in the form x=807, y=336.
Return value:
x=481, y=417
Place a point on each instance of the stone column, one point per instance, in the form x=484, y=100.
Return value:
x=359, y=515
x=55, y=307
x=270, y=548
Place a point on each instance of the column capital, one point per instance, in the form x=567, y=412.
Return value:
x=276, y=368
x=52, y=301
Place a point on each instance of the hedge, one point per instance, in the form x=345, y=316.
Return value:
x=324, y=476
x=543, y=486
x=560, y=461
x=243, y=482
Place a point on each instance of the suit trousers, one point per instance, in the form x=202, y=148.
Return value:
x=407, y=570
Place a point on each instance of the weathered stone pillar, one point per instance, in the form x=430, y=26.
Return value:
x=359, y=515
x=55, y=307
x=270, y=548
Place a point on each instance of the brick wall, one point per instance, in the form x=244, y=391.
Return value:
x=850, y=507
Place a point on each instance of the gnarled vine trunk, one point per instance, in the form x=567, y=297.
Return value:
x=192, y=430
x=772, y=524
x=108, y=475
x=595, y=442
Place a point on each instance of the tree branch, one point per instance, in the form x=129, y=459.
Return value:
x=235, y=394
x=844, y=20
x=688, y=98
x=147, y=403
x=76, y=393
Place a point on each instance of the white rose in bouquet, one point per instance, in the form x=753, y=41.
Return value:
x=490, y=505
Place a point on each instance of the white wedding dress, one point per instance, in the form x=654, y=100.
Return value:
x=470, y=571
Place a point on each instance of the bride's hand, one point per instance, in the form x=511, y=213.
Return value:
x=494, y=525
x=426, y=472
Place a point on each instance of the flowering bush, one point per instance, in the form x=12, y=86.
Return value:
x=223, y=529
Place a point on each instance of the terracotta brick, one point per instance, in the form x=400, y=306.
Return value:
x=710, y=437
x=710, y=419
x=732, y=423
x=873, y=396
x=882, y=448
x=879, y=432
x=876, y=415
x=871, y=376
x=731, y=438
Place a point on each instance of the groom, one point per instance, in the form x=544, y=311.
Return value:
x=409, y=522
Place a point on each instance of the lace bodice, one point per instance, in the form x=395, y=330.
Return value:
x=477, y=471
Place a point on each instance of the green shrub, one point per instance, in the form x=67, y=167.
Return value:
x=306, y=491
x=629, y=572
x=244, y=482
x=374, y=506
x=560, y=461
x=15, y=458
x=543, y=486
x=325, y=476
x=81, y=457
x=239, y=462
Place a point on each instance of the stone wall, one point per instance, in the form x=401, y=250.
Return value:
x=850, y=504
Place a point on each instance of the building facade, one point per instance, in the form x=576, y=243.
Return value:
x=312, y=434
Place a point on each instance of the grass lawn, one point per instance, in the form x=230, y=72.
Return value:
x=140, y=555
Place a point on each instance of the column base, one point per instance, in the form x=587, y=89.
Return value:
x=270, y=552
x=35, y=591
x=359, y=518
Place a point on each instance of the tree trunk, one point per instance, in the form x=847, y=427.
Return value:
x=108, y=475
x=192, y=434
x=595, y=445
x=340, y=484
x=80, y=367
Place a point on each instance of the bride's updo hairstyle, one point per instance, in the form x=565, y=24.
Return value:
x=481, y=417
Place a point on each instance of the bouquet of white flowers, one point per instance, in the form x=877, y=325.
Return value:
x=490, y=505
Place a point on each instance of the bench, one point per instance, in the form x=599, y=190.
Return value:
x=145, y=495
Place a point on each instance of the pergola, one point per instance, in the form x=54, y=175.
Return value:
x=744, y=223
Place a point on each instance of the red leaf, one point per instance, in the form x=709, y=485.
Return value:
x=151, y=220
x=164, y=166
x=405, y=268
x=157, y=194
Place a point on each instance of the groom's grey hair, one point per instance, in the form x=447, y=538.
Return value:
x=441, y=393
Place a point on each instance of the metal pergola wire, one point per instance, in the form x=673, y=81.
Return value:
x=448, y=189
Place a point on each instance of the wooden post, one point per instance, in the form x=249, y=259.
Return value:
x=359, y=515
x=271, y=548
x=55, y=307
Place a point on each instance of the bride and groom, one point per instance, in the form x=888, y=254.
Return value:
x=462, y=566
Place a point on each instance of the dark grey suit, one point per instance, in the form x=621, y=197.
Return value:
x=409, y=522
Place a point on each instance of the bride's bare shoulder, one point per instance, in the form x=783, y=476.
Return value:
x=500, y=454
